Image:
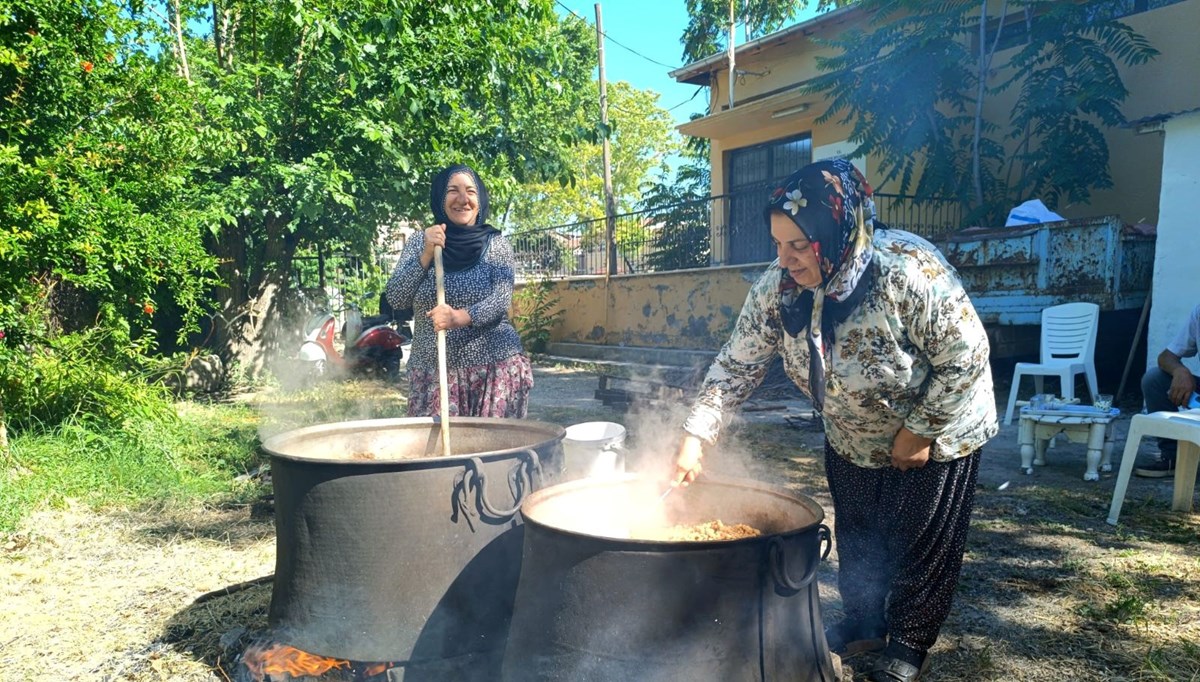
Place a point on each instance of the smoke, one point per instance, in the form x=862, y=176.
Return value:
x=655, y=434
x=330, y=401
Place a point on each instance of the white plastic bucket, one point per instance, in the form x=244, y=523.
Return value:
x=594, y=449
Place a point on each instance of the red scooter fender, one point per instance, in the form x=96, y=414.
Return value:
x=381, y=336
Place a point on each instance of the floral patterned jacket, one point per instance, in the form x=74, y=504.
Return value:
x=914, y=353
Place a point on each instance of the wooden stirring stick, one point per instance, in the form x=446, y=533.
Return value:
x=443, y=383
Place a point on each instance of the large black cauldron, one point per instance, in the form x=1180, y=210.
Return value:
x=593, y=605
x=387, y=551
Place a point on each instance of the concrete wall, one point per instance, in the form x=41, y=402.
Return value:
x=1176, y=272
x=688, y=309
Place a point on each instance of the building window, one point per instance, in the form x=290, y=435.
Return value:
x=1014, y=33
x=751, y=172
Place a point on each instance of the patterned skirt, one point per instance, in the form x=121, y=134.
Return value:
x=499, y=389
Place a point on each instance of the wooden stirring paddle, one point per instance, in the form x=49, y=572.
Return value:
x=443, y=383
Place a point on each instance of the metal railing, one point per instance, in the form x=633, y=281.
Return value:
x=681, y=236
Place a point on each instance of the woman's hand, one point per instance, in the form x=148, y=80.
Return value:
x=434, y=236
x=910, y=451
x=687, y=461
x=445, y=317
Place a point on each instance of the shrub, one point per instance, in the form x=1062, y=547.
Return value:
x=537, y=313
x=90, y=377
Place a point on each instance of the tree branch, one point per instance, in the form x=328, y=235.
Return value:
x=218, y=33
x=985, y=66
x=177, y=31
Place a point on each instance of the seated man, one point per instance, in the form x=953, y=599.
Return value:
x=1168, y=386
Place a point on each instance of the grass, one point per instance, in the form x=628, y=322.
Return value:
x=198, y=455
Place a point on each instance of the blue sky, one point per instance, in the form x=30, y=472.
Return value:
x=653, y=29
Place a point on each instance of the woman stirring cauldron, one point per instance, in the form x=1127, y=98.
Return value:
x=489, y=374
x=874, y=326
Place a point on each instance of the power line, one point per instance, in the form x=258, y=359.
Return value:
x=697, y=92
x=630, y=113
x=617, y=42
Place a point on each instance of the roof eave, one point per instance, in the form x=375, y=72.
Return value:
x=1159, y=118
x=700, y=72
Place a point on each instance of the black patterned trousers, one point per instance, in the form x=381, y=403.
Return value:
x=900, y=537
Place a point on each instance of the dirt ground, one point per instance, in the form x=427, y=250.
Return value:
x=1049, y=591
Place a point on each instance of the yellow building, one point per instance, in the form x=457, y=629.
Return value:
x=770, y=130
x=768, y=127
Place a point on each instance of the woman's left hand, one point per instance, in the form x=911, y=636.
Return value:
x=445, y=317
x=910, y=451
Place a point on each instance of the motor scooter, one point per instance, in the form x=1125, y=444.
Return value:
x=373, y=346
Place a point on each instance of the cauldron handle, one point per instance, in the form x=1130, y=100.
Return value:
x=523, y=472
x=534, y=472
x=779, y=564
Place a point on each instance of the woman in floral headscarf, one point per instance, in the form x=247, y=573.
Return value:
x=488, y=373
x=874, y=326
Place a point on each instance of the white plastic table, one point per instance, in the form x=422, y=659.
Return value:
x=1079, y=423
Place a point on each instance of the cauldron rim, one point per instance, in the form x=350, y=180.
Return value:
x=818, y=514
x=272, y=446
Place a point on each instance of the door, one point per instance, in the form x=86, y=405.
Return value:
x=752, y=173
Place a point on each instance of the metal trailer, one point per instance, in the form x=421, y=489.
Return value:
x=1013, y=273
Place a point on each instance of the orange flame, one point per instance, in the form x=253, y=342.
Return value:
x=276, y=659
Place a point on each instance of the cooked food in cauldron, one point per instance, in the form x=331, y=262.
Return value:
x=698, y=532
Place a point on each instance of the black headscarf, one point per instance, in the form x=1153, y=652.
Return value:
x=830, y=201
x=464, y=243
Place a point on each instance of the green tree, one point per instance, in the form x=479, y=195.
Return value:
x=642, y=137
x=100, y=224
x=682, y=210
x=707, y=32
x=914, y=89
x=324, y=121
x=537, y=312
x=96, y=138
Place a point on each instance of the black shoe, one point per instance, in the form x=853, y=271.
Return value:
x=1161, y=468
x=889, y=669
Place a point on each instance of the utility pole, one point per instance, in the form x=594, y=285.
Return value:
x=746, y=23
x=610, y=208
x=729, y=49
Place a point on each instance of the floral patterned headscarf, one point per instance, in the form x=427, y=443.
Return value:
x=830, y=201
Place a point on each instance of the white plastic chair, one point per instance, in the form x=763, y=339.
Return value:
x=1181, y=426
x=1068, y=348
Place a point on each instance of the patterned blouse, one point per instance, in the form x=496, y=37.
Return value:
x=914, y=353
x=484, y=290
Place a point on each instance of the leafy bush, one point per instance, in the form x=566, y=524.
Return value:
x=537, y=313
x=95, y=377
x=365, y=284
